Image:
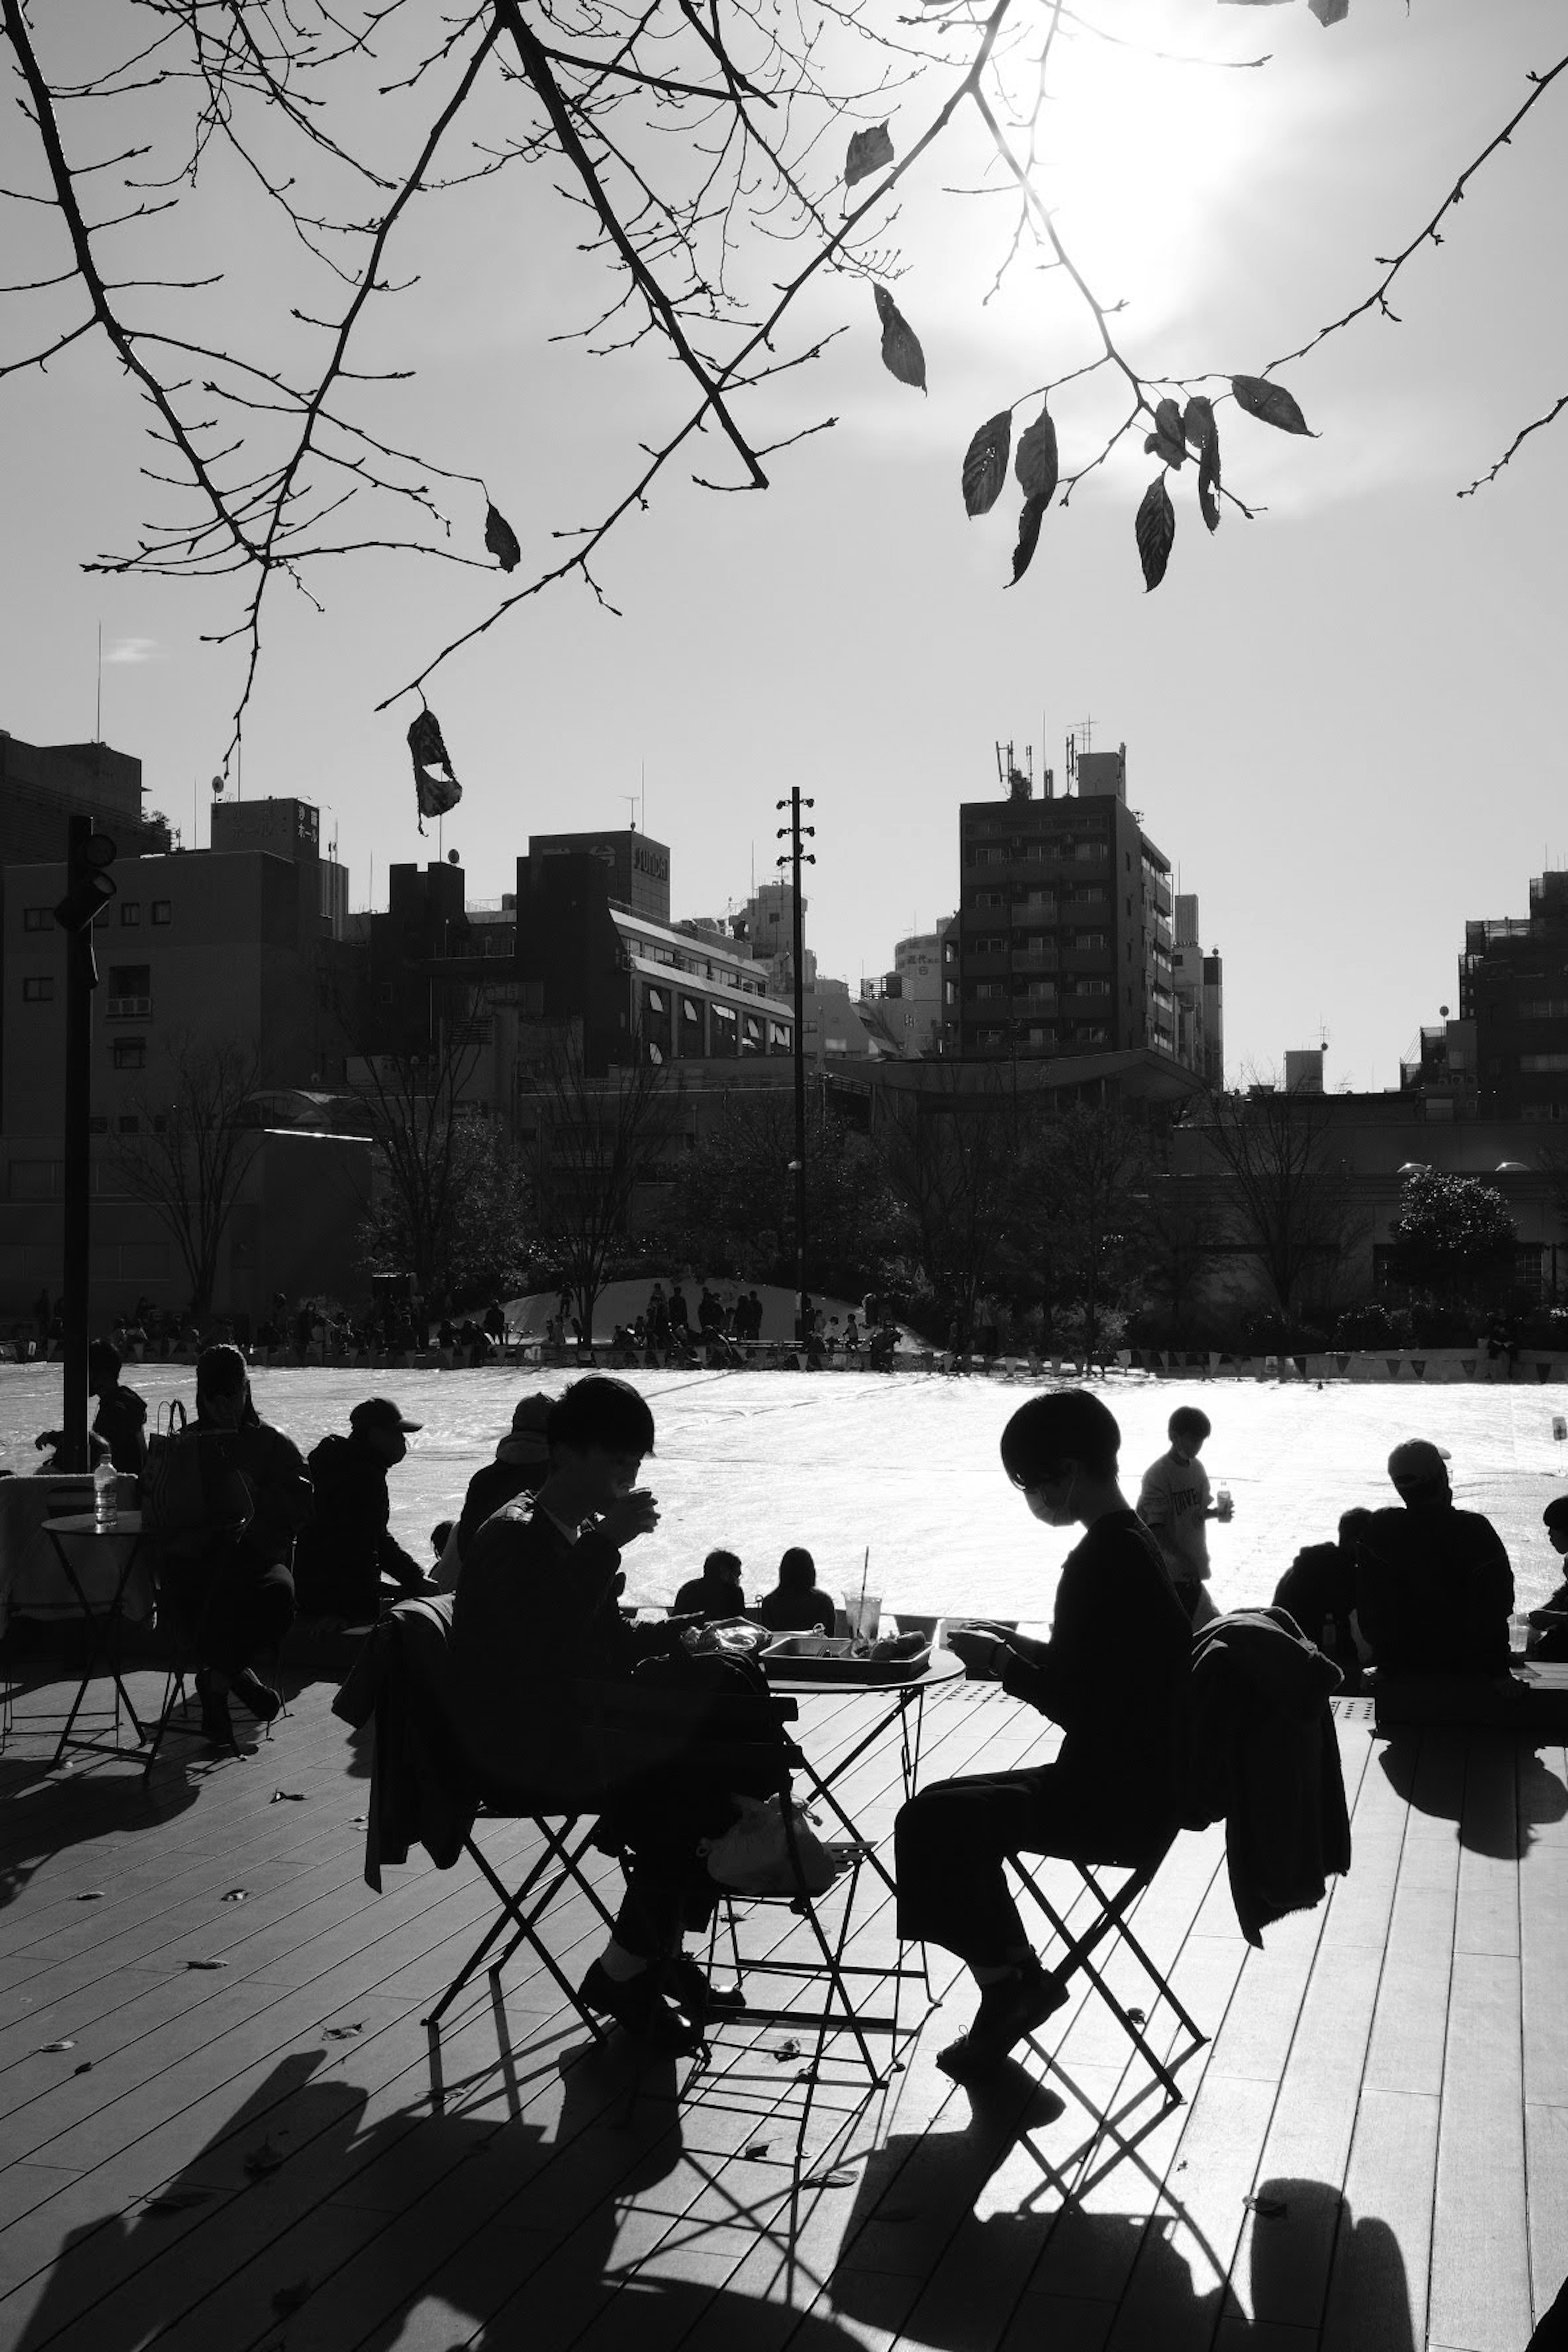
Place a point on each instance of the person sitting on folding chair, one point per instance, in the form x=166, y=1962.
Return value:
x=1114, y=1674
x=535, y=1629
x=230, y=1495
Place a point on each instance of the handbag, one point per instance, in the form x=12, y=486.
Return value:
x=763, y=1854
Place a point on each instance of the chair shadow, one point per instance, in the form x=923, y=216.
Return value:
x=46, y=1811
x=1540, y=1795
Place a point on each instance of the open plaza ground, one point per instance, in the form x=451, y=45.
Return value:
x=905, y=1467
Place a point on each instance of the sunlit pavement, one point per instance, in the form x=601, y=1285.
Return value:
x=905, y=1468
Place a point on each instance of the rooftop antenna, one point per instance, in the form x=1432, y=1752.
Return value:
x=1018, y=780
x=631, y=800
x=98, y=721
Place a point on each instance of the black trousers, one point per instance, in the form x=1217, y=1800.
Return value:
x=950, y=1839
x=235, y=1603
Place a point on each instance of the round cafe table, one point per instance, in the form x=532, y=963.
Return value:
x=98, y=1564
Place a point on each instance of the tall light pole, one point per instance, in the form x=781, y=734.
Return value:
x=795, y=857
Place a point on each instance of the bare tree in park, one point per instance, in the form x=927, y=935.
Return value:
x=1287, y=1203
x=417, y=1110
x=717, y=160
x=589, y=1142
x=192, y=1147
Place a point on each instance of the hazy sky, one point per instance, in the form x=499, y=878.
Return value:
x=1341, y=719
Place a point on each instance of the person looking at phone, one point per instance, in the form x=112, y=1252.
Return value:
x=1114, y=1674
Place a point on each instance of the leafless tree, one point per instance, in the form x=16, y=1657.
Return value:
x=1289, y=1205
x=588, y=1143
x=191, y=1151
x=417, y=1109
x=717, y=158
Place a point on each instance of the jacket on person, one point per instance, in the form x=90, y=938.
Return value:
x=349, y=1544
x=1262, y=1757
x=520, y=1467
x=423, y=1791
x=121, y=1422
x=212, y=1484
x=535, y=1616
x=1433, y=1589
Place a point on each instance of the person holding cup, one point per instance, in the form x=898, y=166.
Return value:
x=1174, y=1505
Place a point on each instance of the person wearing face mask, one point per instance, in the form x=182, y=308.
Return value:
x=1114, y=1674
x=349, y=1547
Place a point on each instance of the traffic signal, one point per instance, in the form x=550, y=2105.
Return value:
x=89, y=884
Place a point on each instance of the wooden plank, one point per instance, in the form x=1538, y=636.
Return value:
x=1377, y=2288
x=1543, y=1944
x=1487, y=1914
x=1546, y=2173
x=1480, y=2266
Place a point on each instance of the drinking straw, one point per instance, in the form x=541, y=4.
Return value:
x=860, y=1604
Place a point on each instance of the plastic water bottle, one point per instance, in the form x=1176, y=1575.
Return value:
x=105, y=1498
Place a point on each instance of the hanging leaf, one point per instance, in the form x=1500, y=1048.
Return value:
x=1035, y=465
x=1329, y=11
x=501, y=540
x=901, y=352
x=869, y=150
x=1165, y=440
x=1156, y=530
x=986, y=463
x=1208, y=482
x=1198, y=422
x=438, y=790
x=1029, y=520
x=1270, y=402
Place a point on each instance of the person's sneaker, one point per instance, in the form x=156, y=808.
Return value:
x=1554, y=1606
x=217, y=1724
x=1008, y=2012
x=261, y=1697
x=694, y=1992
x=640, y=2009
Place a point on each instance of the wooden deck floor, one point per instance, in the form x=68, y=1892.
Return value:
x=1373, y=2152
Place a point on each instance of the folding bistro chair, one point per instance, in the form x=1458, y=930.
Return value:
x=423, y=1791
x=1110, y=1917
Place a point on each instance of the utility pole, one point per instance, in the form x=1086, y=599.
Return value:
x=89, y=886
x=795, y=857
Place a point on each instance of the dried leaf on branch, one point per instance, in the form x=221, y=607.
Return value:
x=435, y=783
x=1029, y=520
x=1167, y=440
x=901, y=352
x=501, y=540
x=1156, y=529
x=986, y=463
x=869, y=150
x=1035, y=464
x=1270, y=402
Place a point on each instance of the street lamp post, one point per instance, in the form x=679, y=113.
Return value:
x=795, y=857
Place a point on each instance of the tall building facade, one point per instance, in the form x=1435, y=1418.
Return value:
x=1199, y=983
x=1063, y=940
x=1513, y=986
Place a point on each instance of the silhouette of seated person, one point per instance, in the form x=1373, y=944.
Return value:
x=1434, y=1588
x=1115, y=1674
x=1319, y=1589
x=715, y=1593
x=797, y=1604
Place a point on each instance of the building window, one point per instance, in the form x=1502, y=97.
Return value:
x=128, y=1124
x=131, y=979
x=37, y=918
x=1542, y=1064
x=98, y=1125
x=162, y=911
x=655, y=999
x=130, y=1053
x=130, y=913
x=39, y=988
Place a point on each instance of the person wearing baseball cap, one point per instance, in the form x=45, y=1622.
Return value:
x=1552, y=1614
x=349, y=1548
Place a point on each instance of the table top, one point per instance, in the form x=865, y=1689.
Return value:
x=84, y=1522
x=944, y=1666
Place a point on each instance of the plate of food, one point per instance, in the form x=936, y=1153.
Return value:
x=840, y=1658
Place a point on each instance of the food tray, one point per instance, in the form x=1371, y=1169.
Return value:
x=819, y=1658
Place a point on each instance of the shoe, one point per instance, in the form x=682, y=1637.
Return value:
x=261, y=1697
x=1554, y=1606
x=640, y=2009
x=1008, y=2013
x=216, y=1725
x=693, y=1991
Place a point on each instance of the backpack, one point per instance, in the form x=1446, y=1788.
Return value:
x=192, y=1494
